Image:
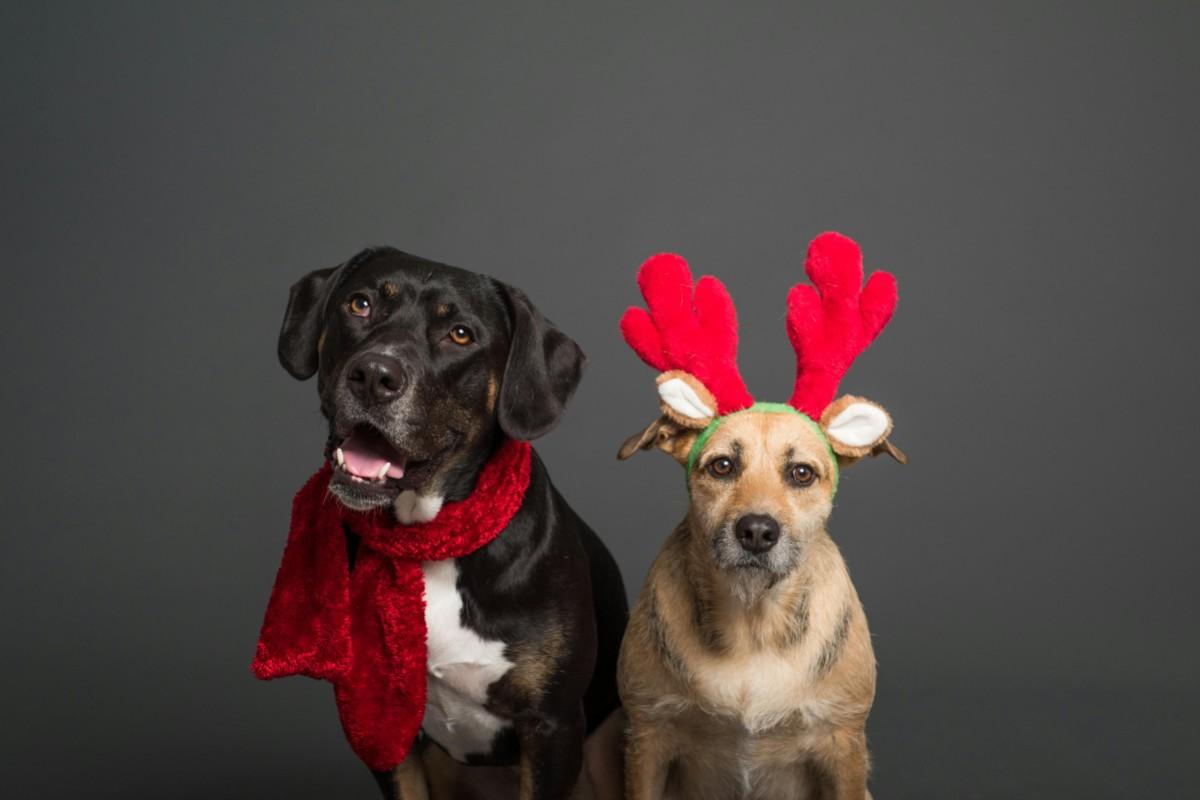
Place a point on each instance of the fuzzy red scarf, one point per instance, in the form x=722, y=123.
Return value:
x=364, y=632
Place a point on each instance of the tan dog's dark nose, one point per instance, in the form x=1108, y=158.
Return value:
x=376, y=378
x=756, y=533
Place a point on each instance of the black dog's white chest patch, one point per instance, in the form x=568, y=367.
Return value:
x=460, y=668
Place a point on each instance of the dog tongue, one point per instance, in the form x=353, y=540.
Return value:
x=366, y=452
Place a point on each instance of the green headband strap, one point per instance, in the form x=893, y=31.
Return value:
x=760, y=408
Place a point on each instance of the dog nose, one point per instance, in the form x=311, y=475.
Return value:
x=757, y=533
x=376, y=378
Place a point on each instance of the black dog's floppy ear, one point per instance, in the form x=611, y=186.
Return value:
x=301, y=331
x=544, y=367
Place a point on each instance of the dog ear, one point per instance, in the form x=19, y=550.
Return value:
x=300, y=334
x=664, y=433
x=544, y=367
x=857, y=428
x=687, y=409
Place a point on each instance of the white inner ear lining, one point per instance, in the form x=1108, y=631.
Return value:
x=859, y=425
x=683, y=398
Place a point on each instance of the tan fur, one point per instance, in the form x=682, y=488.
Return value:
x=534, y=663
x=665, y=434
x=749, y=686
x=410, y=777
x=390, y=289
x=493, y=392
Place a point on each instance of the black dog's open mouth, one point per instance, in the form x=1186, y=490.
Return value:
x=366, y=456
x=370, y=469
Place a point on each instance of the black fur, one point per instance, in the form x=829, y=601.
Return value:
x=547, y=568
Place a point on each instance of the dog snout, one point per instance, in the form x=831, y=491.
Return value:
x=375, y=378
x=756, y=533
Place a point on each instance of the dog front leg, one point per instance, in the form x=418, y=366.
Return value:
x=843, y=767
x=406, y=781
x=551, y=755
x=647, y=760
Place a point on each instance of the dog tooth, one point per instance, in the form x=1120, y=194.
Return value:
x=340, y=456
x=383, y=471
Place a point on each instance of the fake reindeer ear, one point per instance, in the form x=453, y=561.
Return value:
x=687, y=409
x=857, y=428
x=685, y=400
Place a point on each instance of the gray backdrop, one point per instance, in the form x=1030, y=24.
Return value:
x=1029, y=172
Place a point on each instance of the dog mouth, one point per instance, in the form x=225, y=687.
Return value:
x=366, y=456
x=371, y=470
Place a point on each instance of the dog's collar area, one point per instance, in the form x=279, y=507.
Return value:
x=758, y=408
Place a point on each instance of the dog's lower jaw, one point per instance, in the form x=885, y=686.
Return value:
x=411, y=508
x=358, y=501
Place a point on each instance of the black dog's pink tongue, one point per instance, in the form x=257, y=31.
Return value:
x=368, y=456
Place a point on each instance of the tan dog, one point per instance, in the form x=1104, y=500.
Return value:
x=747, y=669
x=747, y=664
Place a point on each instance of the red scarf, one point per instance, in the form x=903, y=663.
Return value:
x=364, y=631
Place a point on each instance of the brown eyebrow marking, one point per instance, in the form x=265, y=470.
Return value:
x=442, y=310
x=390, y=289
x=493, y=390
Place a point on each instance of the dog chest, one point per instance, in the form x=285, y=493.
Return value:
x=461, y=667
x=761, y=690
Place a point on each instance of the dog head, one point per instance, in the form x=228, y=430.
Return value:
x=421, y=367
x=761, y=480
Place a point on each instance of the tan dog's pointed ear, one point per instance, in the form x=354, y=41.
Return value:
x=857, y=428
x=642, y=440
x=664, y=433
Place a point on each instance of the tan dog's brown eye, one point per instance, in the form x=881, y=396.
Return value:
x=359, y=305
x=720, y=467
x=803, y=475
x=461, y=335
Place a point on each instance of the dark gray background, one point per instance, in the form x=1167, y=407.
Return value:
x=1029, y=172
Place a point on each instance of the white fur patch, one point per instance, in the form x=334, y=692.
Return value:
x=461, y=667
x=859, y=425
x=683, y=399
x=412, y=508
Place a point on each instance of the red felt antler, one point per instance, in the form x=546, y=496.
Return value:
x=830, y=325
x=686, y=328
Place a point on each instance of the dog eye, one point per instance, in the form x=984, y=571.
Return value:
x=802, y=474
x=359, y=305
x=720, y=467
x=461, y=335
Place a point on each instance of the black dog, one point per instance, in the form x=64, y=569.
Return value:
x=422, y=371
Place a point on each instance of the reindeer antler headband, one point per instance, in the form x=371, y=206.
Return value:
x=689, y=333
